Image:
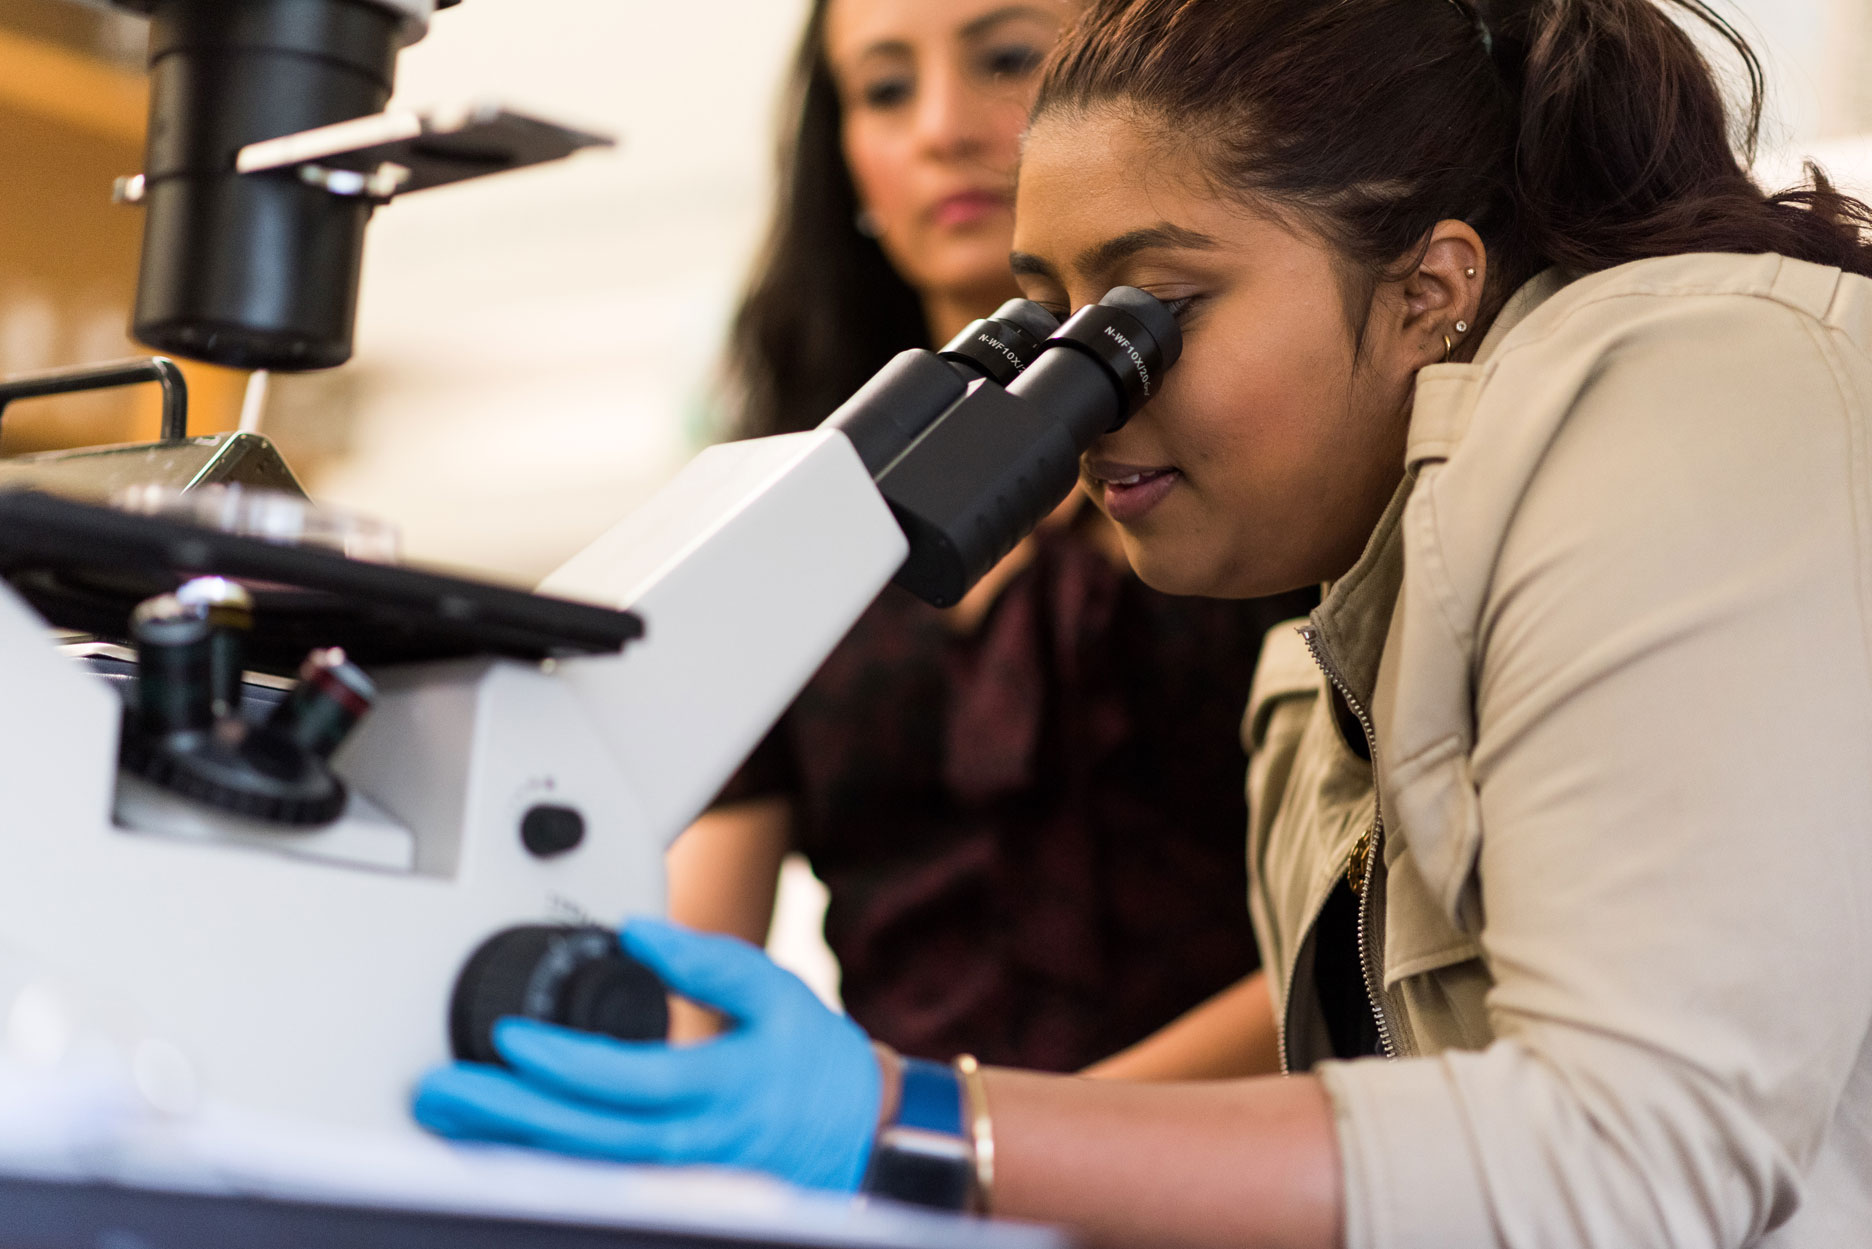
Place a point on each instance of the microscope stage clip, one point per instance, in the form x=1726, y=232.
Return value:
x=400, y=151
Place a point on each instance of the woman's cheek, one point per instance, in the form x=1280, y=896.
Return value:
x=1011, y=125
x=879, y=171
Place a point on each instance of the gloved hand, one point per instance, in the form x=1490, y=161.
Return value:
x=791, y=1088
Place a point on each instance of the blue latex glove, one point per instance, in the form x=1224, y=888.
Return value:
x=792, y=1088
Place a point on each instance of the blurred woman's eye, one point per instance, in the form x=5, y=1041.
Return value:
x=1011, y=61
x=885, y=93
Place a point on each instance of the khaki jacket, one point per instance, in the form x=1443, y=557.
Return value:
x=1614, y=643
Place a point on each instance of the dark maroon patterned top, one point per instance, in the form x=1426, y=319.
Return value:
x=1033, y=835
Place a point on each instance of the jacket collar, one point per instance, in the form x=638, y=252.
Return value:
x=1446, y=393
x=1355, y=614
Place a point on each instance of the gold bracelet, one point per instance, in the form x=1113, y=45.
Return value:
x=980, y=1130
x=890, y=1081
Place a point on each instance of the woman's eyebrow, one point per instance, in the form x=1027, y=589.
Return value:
x=897, y=48
x=1105, y=256
x=975, y=27
x=1024, y=264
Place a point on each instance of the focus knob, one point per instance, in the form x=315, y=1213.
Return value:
x=573, y=975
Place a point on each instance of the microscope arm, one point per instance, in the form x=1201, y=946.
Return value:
x=747, y=569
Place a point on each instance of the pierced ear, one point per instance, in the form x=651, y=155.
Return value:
x=1444, y=291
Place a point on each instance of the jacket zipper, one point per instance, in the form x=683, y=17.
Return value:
x=1286, y=1021
x=1374, y=846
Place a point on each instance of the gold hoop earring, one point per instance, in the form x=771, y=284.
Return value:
x=1449, y=348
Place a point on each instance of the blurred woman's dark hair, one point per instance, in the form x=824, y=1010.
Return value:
x=825, y=309
x=1577, y=133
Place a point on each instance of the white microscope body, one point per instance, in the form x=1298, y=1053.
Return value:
x=308, y=974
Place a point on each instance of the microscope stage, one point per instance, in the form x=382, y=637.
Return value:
x=85, y=567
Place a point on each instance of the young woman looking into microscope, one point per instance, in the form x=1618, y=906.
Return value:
x=979, y=788
x=1486, y=325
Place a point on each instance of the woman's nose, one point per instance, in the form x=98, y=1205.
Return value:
x=952, y=117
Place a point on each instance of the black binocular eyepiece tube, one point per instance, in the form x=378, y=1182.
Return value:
x=985, y=470
x=1131, y=337
x=904, y=398
x=1001, y=345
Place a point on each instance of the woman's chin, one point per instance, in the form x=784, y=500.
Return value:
x=1169, y=575
x=1173, y=573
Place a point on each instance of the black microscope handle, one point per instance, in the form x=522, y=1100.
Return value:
x=159, y=369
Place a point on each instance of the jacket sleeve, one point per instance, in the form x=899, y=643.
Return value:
x=1673, y=771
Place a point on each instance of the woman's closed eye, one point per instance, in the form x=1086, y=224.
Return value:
x=885, y=93
x=1182, y=308
x=1010, y=62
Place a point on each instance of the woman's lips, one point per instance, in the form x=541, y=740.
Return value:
x=967, y=208
x=1129, y=492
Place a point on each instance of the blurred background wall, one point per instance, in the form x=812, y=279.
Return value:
x=1819, y=63
x=72, y=103
x=535, y=350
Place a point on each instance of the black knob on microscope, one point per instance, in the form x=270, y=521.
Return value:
x=574, y=975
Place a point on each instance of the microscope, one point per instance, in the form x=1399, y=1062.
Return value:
x=314, y=818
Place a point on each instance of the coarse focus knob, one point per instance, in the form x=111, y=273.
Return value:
x=573, y=975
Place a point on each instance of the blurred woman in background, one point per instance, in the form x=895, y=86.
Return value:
x=1027, y=808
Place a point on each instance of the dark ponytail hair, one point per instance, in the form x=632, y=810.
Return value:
x=1578, y=133
x=824, y=309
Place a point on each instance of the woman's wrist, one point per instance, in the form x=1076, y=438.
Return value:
x=890, y=1084
x=934, y=1145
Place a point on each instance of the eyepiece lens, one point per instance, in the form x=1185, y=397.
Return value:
x=1028, y=315
x=1001, y=346
x=1132, y=337
x=1153, y=316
